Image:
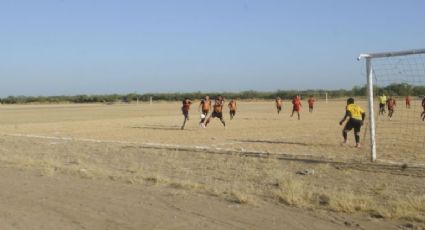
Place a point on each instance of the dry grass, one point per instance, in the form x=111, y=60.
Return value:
x=239, y=179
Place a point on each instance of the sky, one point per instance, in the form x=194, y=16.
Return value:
x=69, y=47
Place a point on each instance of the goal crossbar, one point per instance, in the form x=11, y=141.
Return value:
x=391, y=54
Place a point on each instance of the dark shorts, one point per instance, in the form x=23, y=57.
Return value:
x=310, y=106
x=381, y=106
x=205, y=112
x=279, y=107
x=233, y=112
x=353, y=124
x=185, y=113
x=216, y=114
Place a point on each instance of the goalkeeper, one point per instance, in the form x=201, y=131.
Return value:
x=356, y=117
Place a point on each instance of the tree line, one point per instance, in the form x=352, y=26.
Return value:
x=402, y=89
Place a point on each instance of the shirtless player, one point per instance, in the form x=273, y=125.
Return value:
x=232, y=108
x=185, y=110
x=278, y=104
x=217, y=111
x=205, y=105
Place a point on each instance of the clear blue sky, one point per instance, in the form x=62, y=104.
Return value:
x=67, y=47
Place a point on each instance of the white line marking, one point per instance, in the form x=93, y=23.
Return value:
x=197, y=147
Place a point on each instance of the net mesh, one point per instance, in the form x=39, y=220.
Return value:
x=400, y=134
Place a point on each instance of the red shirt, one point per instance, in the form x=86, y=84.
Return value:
x=391, y=103
x=297, y=104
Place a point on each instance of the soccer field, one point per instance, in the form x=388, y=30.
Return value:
x=143, y=145
x=256, y=129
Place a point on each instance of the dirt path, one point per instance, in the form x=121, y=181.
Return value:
x=32, y=201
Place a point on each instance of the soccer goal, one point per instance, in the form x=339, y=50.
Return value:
x=396, y=90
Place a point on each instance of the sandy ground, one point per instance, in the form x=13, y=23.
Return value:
x=32, y=201
x=131, y=167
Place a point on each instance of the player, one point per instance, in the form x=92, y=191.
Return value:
x=279, y=103
x=356, y=117
x=204, y=106
x=390, y=106
x=407, y=99
x=217, y=111
x=185, y=110
x=423, y=112
x=311, y=101
x=232, y=108
x=296, y=106
x=382, y=102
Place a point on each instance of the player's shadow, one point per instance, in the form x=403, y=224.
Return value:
x=256, y=118
x=156, y=127
x=274, y=142
x=284, y=142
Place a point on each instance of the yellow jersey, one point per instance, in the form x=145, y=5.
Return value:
x=382, y=99
x=355, y=111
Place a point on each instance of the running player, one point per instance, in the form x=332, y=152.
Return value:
x=407, y=99
x=423, y=112
x=296, y=102
x=382, y=102
x=311, y=101
x=204, y=106
x=279, y=103
x=390, y=106
x=356, y=117
x=232, y=108
x=185, y=110
x=217, y=111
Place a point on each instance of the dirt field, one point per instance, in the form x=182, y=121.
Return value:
x=131, y=167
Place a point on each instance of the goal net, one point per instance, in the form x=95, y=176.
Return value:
x=396, y=88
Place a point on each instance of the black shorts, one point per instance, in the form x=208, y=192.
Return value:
x=233, y=112
x=381, y=106
x=217, y=114
x=205, y=112
x=185, y=113
x=353, y=124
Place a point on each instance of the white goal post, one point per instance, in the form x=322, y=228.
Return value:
x=370, y=72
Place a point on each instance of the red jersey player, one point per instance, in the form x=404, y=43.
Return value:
x=390, y=106
x=296, y=106
x=407, y=99
x=311, y=101
x=423, y=112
